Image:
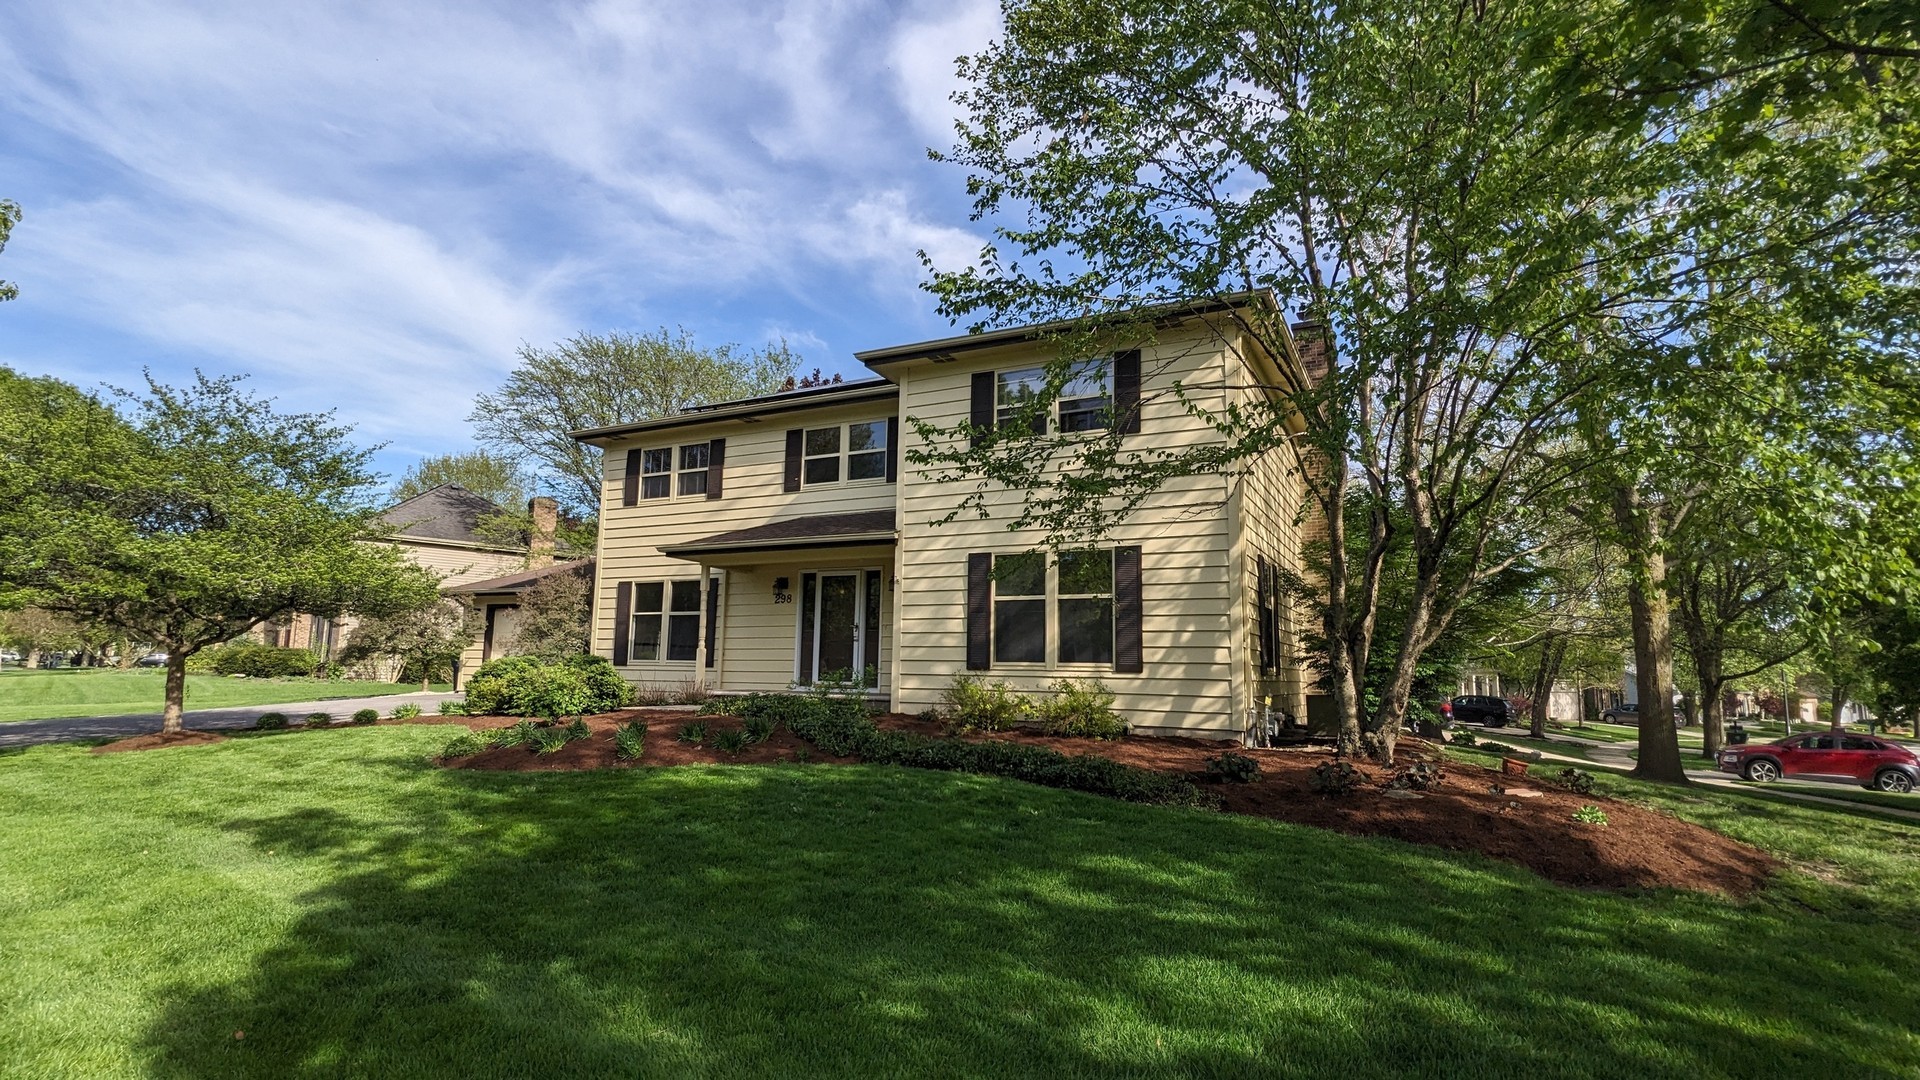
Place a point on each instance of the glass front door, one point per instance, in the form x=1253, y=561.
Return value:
x=839, y=626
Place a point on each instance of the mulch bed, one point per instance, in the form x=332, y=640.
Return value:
x=159, y=740
x=1530, y=824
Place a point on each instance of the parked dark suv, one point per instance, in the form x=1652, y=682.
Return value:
x=1869, y=762
x=1483, y=709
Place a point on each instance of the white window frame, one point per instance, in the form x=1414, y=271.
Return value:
x=843, y=453
x=1050, y=596
x=1004, y=412
x=662, y=619
x=675, y=471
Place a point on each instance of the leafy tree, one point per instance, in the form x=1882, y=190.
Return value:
x=426, y=639
x=494, y=477
x=554, y=617
x=595, y=380
x=198, y=514
x=1383, y=167
x=35, y=631
x=9, y=217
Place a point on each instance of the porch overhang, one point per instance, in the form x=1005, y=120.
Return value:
x=851, y=535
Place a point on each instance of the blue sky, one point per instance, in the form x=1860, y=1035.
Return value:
x=367, y=207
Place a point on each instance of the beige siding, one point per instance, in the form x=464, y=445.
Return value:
x=1183, y=533
x=757, y=636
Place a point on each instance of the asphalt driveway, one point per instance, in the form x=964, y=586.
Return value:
x=78, y=728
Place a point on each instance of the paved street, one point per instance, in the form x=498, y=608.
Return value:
x=70, y=729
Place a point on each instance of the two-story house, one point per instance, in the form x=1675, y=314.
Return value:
x=771, y=543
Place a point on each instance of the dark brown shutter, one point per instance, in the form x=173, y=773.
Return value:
x=1263, y=607
x=630, y=485
x=713, y=609
x=716, y=466
x=893, y=449
x=1126, y=390
x=622, y=616
x=979, y=611
x=1126, y=611
x=794, y=442
x=982, y=405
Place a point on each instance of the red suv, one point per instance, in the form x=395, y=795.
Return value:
x=1870, y=762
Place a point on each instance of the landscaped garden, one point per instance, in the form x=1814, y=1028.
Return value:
x=335, y=901
x=36, y=695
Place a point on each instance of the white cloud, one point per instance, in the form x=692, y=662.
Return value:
x=923, y=55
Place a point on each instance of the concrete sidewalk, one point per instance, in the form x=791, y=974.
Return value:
x=76, y=728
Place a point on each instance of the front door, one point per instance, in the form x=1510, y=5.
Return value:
x=838, y=625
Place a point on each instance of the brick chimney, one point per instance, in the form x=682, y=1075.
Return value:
x=546, y=521
x=1310, y=339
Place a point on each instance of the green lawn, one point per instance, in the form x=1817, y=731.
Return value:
x=34, y=695
x=356, y=912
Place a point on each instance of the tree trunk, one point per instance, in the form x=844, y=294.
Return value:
x=124, y=658
x=1553, y=653
x=176, y=699
x=1713, y=719
x=1652, y=640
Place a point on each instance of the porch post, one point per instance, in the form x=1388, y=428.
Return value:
x=700, y=648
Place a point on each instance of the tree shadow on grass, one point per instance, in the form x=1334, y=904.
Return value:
x=823, y=921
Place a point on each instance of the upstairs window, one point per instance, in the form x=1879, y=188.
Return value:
x=1086, y=401
x=1014, y=393
x=693, y=469
x=656, y=473
x=856, y=451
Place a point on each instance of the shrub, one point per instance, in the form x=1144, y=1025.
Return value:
x=366, y=716
x=976, y=705
x=760, y=728
x=315, y=719
x=1233, y=768
x=630, y=741
x=272, y=721
x=1575, y=780
x=257, y=661
x=1591, y=815
x=1334, y=778
x=1464, y=738
x=1420, y=776
x=695, y=733
x=453, y=708
x=406, y=712
x=1501, y=749
x=465, y=744
x=526, y=686
x=1081, y=709
x=549, y=740
x=732, y=740
x=843, y=727
x=578, y=730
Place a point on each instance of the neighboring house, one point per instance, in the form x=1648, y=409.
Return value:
x=439, y=529
x=498, y=601
x=780, y=541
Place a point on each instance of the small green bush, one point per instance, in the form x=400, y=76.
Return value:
x=731, y=741
x=257, y=661
x=694, y=733
x=272, y=721
x=366, y=716
x=1575, y=780
x=465, y=744
x=760, y=728
x=527, y=686
x=315, y=719
x=549, y=740
x=976, y=705
x=1591, y=815
x=453, y=708
x=1334, y=778
x=1498, y=748
x=516, y=735
x=578, y=730
x=1082, y=710
x=1464, y=737
x=630, y=741
x=406, y=712
x=1233, y=768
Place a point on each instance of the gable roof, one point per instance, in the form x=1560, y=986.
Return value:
x=784, y=401
x=448, y=512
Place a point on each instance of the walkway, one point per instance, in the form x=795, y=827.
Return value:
x=77, y=728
